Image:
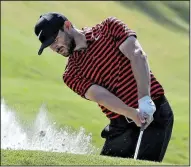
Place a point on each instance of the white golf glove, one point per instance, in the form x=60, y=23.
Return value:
x=146, y=110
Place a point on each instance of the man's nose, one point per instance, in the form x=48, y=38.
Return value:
x=55, y=48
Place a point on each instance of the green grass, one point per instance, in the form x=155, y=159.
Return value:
x=28, y=80
x=49, y=158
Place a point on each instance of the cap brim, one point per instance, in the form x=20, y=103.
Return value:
x=46, y=43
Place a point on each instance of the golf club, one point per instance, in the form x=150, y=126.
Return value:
x=139, y=141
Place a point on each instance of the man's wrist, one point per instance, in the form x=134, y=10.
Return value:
x=134, y=114
x=143, y=99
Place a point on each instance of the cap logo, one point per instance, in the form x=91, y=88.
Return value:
x=39, y=34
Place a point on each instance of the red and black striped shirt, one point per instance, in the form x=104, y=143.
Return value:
x=102, y=63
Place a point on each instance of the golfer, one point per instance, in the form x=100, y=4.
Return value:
x=107, y=65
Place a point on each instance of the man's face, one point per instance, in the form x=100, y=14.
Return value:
x=64, y=44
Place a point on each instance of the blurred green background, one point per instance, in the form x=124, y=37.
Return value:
x=28, y=81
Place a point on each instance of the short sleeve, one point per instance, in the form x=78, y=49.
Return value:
x=77, y=83
x=119, y=30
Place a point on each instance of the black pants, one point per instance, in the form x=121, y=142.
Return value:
x=121, y=136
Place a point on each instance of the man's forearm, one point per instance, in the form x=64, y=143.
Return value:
x=132, y=49
x=105, y=98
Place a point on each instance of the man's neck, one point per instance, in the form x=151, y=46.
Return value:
x=80, y=40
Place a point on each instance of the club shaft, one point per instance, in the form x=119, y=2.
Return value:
x=138, y=144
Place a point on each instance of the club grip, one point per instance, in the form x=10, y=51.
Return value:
x=143, y=126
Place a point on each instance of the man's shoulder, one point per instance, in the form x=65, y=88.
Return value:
x=104, y=21
x=108, y=19
x=112, y=19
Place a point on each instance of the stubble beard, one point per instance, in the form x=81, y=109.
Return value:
x=71, y=46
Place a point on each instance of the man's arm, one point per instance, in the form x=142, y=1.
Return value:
x=105, y=98
x=86, y=89
x=132, y=49
x=125, y=39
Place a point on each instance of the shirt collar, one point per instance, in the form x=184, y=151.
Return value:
x=88, y=32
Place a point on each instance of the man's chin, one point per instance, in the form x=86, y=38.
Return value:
x=65, y=55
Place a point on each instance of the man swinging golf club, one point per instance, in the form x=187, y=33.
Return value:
x=107, y=65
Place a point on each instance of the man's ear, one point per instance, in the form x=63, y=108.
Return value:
x=67, y=26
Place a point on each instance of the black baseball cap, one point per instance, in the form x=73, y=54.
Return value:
x=47, y=28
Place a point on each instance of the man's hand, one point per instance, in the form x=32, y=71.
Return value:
x=146, y=120
x=146, y=110
x=141, y=120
